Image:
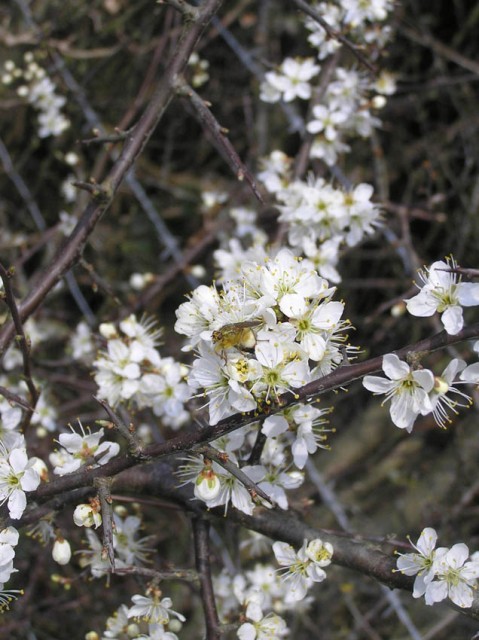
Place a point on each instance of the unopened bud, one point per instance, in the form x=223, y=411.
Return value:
x=207, y=485
x=61, y=551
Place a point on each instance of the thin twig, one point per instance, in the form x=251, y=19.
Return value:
x=22, y=341
x=222, y=459
x=334, y=33
x=218, y=135
x=103, y=485
x=41, y=225
x=188, y=11
x=176, y=574
x=127, y=431
x=14, y=399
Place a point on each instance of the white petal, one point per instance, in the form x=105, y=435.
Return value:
x=452, y=320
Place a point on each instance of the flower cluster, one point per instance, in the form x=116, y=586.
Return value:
x=303, y=568
x=131, y=369
x=320, y=219
x=415, y=392
x=151, y=611
x=443, y=292
x=355, y=16
x=259, y=594
x=272, y=330
x=265, y=589
x=441, y=573
x=40, y=91
x=199, y=68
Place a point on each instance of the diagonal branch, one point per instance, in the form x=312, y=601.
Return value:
x=70, y=253
x=334, y=33
x=218, y=135
x=185, y=442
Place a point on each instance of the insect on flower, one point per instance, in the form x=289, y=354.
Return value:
x=239, y=335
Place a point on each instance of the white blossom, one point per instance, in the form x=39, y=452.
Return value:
x=290, y=81
x=407, y=389
x=153, y=608
x=82, y=448
x=443, y=292
x=17, y=475
x=454, y=577
x=301, y=569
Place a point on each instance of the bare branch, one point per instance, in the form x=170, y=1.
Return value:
x=22, y=341
x=70, y=253
x=203, y=566
x=218, y=134
x=103, y=485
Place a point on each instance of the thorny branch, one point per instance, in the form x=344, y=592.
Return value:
x=71, y=251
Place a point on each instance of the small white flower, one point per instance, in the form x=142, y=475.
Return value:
x=79, y=449
x=407, y=389
x=444, y=385
x=129, y=547
x=263, y=628
x=290, y=81
x=152, y=609
x=443, y=292
x=17, y=475
x=303, y=568
x=420, y=564
x=117, y=624
x=454, y=577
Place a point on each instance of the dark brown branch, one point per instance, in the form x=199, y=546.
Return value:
x=203, y=566
x=22, y=340
x=103, y=485
x=374, y=558
x=71, y=251
x=176, y=574
x=185, y=442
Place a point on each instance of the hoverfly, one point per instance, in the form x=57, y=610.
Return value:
x=238, y=334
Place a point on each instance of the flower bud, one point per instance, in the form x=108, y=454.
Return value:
x=61, y=551
x=85, y=516
x=207, y=485
x=108, y=330
x=175, y=625
x=133, y=630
